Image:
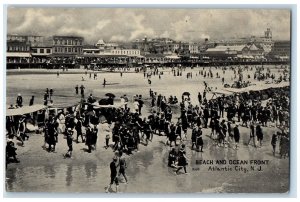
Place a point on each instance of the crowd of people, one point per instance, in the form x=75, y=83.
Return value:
x=128, y=128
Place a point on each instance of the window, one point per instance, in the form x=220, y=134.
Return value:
x=41, y=50
x=76, y=42
x=61, y=42
x=17, y=48
x=66, y=50
x=34, y=50
x=48, y=50
x=55, y=50
x=69, y=50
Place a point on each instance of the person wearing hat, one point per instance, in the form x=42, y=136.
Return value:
x=19, y=100
x=22, y=128
x=113, y=174
x=69, y=135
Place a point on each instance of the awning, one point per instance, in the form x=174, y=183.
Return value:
x=18, y=54
x=258, y=87
x=24, y=110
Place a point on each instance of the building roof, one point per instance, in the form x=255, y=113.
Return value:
x=226, y=48
x=253, y=47
x=100, y=42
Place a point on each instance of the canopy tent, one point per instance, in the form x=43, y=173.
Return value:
x=222, y=92
x=97, y=106
x=257, y=87
x=24, y=110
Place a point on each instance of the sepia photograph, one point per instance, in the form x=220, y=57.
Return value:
x=147, y=100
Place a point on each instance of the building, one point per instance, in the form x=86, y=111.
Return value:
x=31, y=39
x=225, y=52
x=18, y=52
x=193, y=48
x=67, y=46
x=266, y=41
x=281, y=50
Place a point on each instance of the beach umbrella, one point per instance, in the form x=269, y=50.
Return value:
x=110, y=95
x=186, y=93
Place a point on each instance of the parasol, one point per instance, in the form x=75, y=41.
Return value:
x=110, y=95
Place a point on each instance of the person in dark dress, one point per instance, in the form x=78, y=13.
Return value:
x=194, y=136
x=252, y=134
x=82, y=90
x=52, y=134
x=76, y=89
x=185, y=124
x=236, y=135
x=182, y=161
x=95, y=136
x=147, y=131
x=273, y=143
x=178, y=129
x=259, y=134
x=205, y=116
x=199, y=140
x=69, y=143
x=123, y=166
x=78, y=128
x=113, y=174
x=11, y=152
x=172, y=158
x=19, y=100
x=141, y=103
x=31, y=101
x=89, y=138
x=172, y=134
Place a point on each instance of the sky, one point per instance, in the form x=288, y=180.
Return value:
x=124, y=24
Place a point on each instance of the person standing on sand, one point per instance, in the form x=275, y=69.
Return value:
x=113, y=174
x=82, y=90
x=182, y=160
x=89, y=138
x=19, y=100
x=123, y=166
x=70, y=143
x=236, y=135
x=252, y=133
x=78, y=128
x=104, y=82
x=31, y=101
x=76, y=89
